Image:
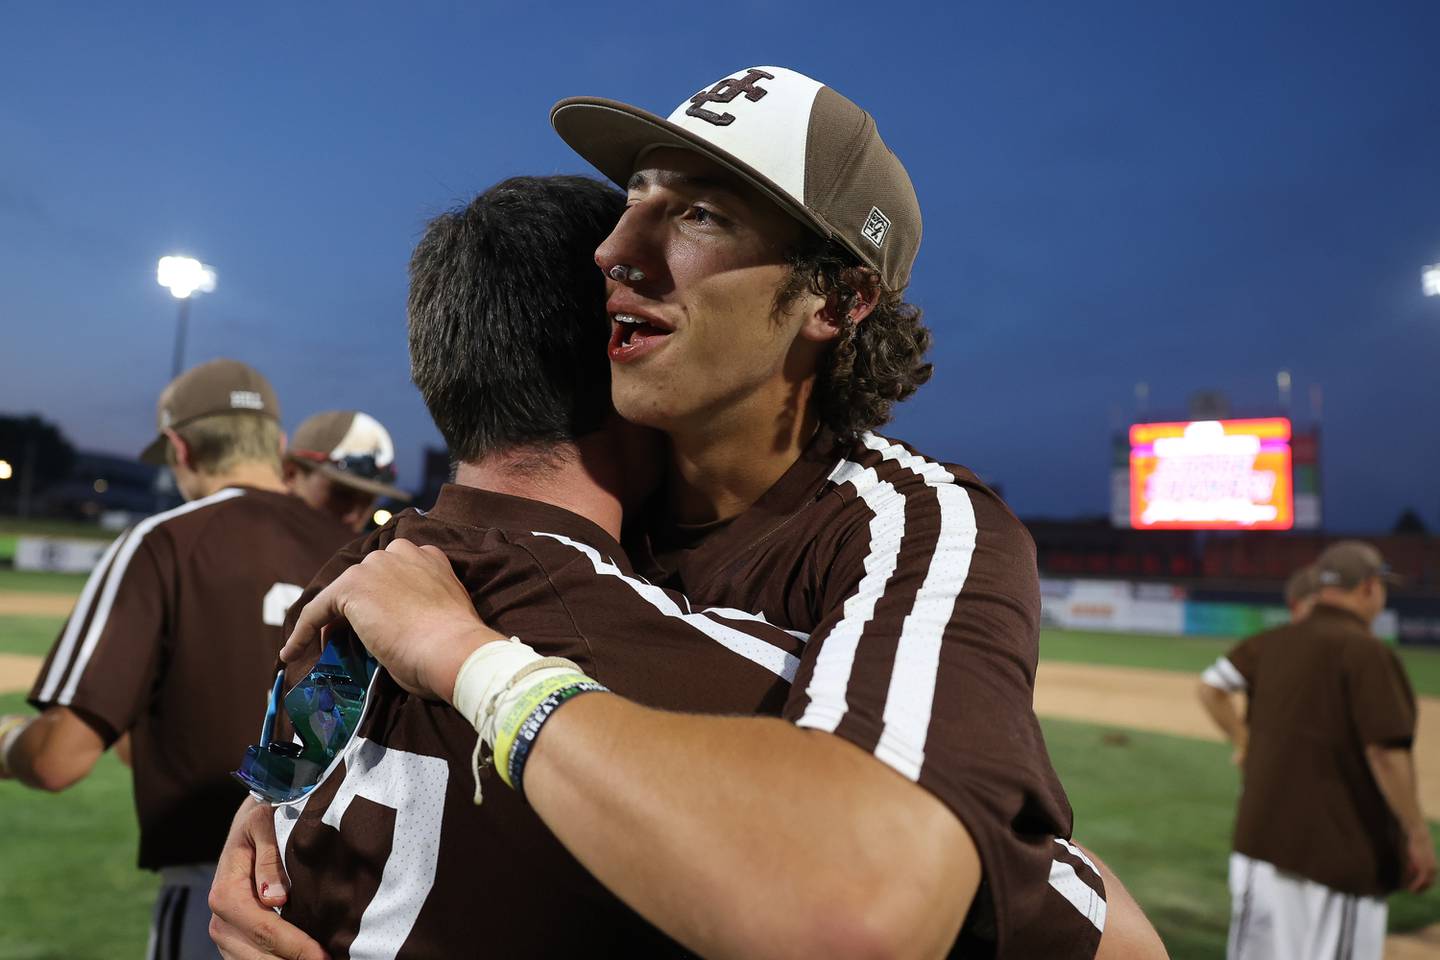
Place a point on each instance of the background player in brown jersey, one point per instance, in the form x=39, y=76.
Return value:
x=342, y=462
x=1329, y=820
x=758, y=321
x=174, y=636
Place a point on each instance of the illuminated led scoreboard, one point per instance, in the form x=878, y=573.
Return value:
x=1217, y=475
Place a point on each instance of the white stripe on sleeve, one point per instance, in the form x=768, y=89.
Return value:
x=830, y=679
x=910, y=696
x=1079, y=893
x=112, y=583
x=779, y=662
x=1222, y=675
x=66, y=648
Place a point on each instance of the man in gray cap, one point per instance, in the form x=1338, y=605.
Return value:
x=174, y=637
x=1329, y=820
x=342, y=462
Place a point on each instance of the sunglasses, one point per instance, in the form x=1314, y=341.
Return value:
x=360, y=465
x=324, y=710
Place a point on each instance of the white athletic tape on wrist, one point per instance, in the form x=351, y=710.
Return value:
x=491, y=681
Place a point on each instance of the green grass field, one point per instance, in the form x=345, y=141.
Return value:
x=37, y=581
x=1157, y=808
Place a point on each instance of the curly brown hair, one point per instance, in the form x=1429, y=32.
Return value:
x=872, y=365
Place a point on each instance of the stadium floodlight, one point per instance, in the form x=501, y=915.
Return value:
x=6, y=471
x=382, y=517
x=182, y=276
x=1430, y=280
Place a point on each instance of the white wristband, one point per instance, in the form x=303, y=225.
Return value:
x=492, y=680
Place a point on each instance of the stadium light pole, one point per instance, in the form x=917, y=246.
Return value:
x=183, y=277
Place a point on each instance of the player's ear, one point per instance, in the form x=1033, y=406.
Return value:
x=284, y=443
x=823, y=321
x=181, y=449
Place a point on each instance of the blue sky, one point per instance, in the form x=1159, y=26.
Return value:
x=1190, y=196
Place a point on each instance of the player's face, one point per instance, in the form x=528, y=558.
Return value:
x=350, y=506
x=710, y=346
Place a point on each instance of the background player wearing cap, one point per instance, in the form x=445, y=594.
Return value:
x=174, y=637
x=758, y=321
x=1329, y=819
x=342, y=462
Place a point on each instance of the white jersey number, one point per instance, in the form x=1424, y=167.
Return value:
x=278, y=600
x=414, y=787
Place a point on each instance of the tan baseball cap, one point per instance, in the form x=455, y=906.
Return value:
x=818, y=155
x=217, y=387
x=351, y=448
x=1349, y=563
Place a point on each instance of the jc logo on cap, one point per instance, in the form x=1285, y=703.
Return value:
x=724, y=92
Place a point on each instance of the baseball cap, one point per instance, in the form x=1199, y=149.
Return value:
x=812, y=151
x=218, y=387
x=1349, y=563
x=351, y=448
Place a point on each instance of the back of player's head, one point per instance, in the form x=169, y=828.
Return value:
x=227, y=414
x=507, y=315
x=221, y=442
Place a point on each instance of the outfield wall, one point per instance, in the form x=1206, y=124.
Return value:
x=1124, y=606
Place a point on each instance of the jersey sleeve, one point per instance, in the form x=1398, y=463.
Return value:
x=1381, y=704
x=926, y=653
x=1235, y=671
x=105, y=661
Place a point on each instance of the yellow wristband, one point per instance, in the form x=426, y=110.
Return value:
x=509, y=725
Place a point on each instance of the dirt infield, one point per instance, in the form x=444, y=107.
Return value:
x=36, y=604
x=18, y=672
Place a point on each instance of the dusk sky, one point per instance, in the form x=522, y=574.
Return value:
x=1193, y=196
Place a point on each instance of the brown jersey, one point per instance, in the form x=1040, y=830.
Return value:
x=389, y=856
x=1319, y=692
x=174, y=640
x=918, y=591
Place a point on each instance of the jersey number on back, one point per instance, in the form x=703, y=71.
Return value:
x=414, y=787
x=278, y=600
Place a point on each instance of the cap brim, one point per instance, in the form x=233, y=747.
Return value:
x=361, y=483
x=612, y=136
x=154, y=452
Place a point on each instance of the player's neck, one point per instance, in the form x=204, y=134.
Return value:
x=718, y=470
x=557, y=475
x=257, y=476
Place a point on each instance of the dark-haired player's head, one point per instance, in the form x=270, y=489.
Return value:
x=507, y=315
x=762, y=258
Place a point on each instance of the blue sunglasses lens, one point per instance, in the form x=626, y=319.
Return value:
x=324, y=709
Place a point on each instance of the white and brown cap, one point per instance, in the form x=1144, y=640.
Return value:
x=1349, y=563
x=351, y=448
x=210, y=389
x=818, y=155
